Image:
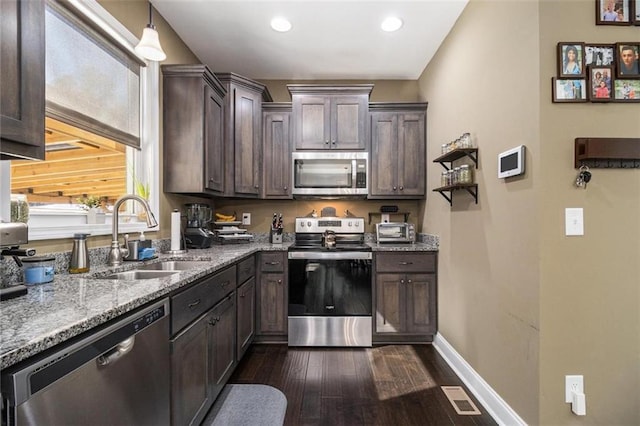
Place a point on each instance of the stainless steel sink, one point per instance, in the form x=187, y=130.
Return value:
x=171, y=265
x=138, y=274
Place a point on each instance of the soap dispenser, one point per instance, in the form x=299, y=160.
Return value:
x=79, y=255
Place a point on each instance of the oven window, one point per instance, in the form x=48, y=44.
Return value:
x=329, y=287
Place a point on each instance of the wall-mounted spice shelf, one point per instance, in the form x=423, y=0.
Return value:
x=618, y=153
x=456, y=154
x=471, y=188
x=450, y=157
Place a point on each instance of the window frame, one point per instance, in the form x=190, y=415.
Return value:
x=146, y=160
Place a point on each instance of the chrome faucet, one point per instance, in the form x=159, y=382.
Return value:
x=117, y=253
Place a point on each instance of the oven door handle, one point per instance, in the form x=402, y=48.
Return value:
x=328, y=255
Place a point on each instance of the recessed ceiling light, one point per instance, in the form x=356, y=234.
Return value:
x=280, y=24
x=391, y=23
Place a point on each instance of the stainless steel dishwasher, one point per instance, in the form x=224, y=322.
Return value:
x=118, y=375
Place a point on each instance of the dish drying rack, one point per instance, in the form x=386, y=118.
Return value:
x=230, y=233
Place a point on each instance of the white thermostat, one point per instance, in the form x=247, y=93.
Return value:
x=511, y=162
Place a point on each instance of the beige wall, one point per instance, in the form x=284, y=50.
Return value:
x=589, y=286
x=522, y=303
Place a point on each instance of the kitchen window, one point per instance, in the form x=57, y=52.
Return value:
x=102, y=121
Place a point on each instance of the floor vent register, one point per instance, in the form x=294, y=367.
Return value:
x=461, y=402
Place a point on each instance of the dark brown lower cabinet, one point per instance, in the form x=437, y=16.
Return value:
x=246, y=316
x=190, y=395
x=406, y=297
x=222, y=343
x=272, y=297
x=203, y=346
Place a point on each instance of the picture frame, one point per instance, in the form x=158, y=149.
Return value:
x=601, y=84
x=628, y=60
x=626, y=90
x=599, y=54
x=571, y=59
x=565, y=90
x=614, y=12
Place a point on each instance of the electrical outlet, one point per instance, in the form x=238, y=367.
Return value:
x=246, y=218
x=572, y=384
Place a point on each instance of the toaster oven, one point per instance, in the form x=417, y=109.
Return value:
x=395, y=232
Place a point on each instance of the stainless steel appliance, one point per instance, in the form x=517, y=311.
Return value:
x=118, y=375
x=197, y=233
x=395, y=232
x=330, y=173
x=330, y=287
x=12, y=235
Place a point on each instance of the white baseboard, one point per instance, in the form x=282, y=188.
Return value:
x=490, y=400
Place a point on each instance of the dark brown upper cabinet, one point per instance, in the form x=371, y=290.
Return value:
x=398, y=150
x=22, y=59
x=243, y=134
x=276, y=136
x=193, y=103
x=330, y=117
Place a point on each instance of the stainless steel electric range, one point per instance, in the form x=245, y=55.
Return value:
x=330, y=287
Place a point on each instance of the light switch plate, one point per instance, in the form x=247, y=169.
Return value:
x=573, y=221
x=246, y=218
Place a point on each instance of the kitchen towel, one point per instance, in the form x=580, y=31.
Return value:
x=175, y=230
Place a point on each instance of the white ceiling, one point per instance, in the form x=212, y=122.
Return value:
x=329, y=39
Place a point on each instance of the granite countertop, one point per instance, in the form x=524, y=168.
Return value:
x=403, y=247
x=72, y=304
x=54, y=312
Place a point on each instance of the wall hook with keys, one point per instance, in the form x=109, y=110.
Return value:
x=584, y=176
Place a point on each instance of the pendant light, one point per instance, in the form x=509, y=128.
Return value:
x=149, y=45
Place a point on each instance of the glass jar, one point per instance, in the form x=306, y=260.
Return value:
x=465, y=174
x=19, y=208
x=38, y=270
x=444, y=149
x=456, y=175
x=465, y=140
x=444, y=178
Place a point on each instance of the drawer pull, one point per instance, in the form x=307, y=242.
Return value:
x=405, y=263
x=194, y=303
x=213, y=321
x=273, y=263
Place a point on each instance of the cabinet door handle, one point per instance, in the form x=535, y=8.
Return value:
x=256, y=186
x=405, y=263
x=194, y=304
x=395, y=188
x=242, y=295
x=279, y=281
x=409, y=281
x=401, y=281
x=326, y=142
x=213, y=321
x=401, y=188
x=286, y=187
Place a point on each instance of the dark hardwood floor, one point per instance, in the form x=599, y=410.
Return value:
x=383, y=385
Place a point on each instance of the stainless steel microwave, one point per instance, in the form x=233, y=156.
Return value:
x=318, y=173
x=395, y=232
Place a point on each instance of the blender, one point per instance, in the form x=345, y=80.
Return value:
x=196, y=232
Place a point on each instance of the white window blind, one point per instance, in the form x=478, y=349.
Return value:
x=90, y=82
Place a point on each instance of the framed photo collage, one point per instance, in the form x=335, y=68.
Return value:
x=597, y=72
